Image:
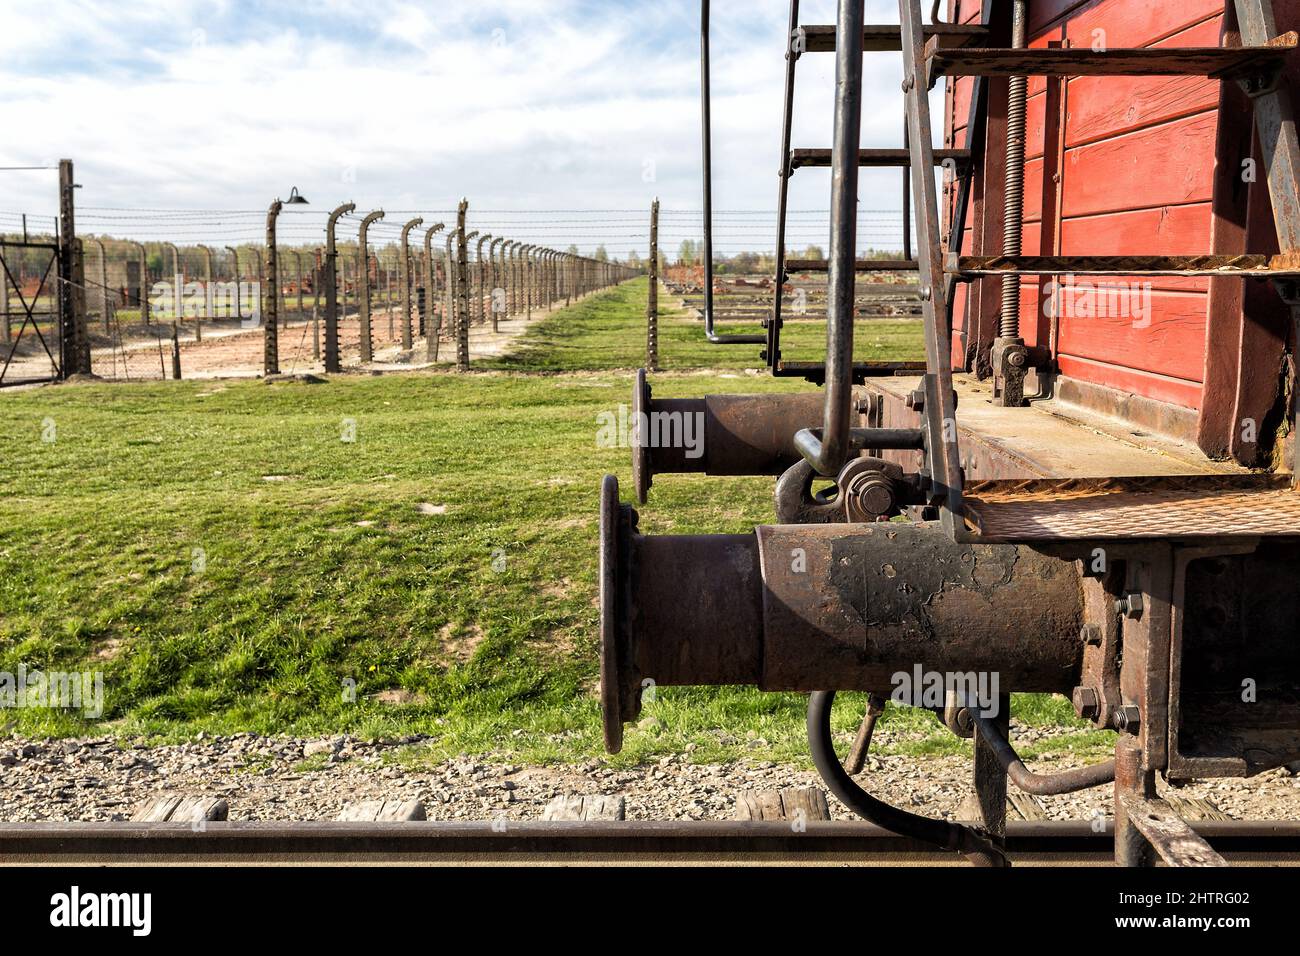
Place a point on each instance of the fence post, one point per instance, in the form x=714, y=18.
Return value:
x=103, y=285
x=317, y=268
x=72, y=321
x=142, y=292
x=430, y=284
x=176, y=353
x=363, y=290
x=450, y=271
x=207, y=294
x=516, y=248
x=404, y=277
x=462, y=289
x=331, y=289
x=652, y=305
x=482, y=278
x=239, y=308
x=270, y=328
x=178, y=283
x=260, y=272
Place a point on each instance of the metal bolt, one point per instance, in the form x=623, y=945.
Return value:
x=1128, y=719
x=1090, y=635
x=1130, y=605
x=863, y=405
x=916, y=400
x=1087, y=703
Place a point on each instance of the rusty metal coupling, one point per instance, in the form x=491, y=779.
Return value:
x=818, y=607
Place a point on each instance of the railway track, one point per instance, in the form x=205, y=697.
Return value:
x=594, y=844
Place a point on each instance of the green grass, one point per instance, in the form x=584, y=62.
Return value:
x=232, y=564
x=608, y=332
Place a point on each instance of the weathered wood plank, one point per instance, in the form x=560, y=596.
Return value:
x=1168, y=833
x=790, y=805
x=1167, y=339
x=377, y=811
x=586, y=807
x=181, y=809
x=1161, y=388
x=1020, y=806
x=1194, y=808
x=1116, y=174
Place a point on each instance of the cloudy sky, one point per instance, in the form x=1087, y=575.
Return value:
x=516, y=104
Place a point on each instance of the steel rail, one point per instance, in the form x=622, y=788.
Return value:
x=648, y=843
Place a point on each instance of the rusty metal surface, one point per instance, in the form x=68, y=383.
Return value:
x=821, y=158
x=884, y=37
x=1206, y=265
x=1127, y=508
x=806, y=607
x=1069, y=781
x=742, y=434
x=816, y=371
x=1217, y=62
x=863, y=265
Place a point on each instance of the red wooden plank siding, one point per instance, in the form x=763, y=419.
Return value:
x=1129, y=164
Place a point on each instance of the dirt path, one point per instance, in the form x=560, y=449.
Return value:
x=227, y=351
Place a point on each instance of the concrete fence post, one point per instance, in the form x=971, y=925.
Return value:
x=144, y=282
x=297, y=261
x=207, y=294
x=431, y=323
x=404, y=277
x=239, y=308
x=462, y=288
x=363, y=287
x=449, y=274
x=480, y=267
x=332, y=363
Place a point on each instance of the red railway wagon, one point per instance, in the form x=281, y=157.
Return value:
x=1088, y=487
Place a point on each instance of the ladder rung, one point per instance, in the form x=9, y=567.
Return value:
x=1250, y=265
x=887, y=37
x=1154, y=61
x=816, y=371
x=873, y=157
x=864, y=265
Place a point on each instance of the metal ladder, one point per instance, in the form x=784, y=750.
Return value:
x=876, y=38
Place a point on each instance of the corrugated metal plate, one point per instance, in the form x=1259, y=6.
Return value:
x=1110, y=508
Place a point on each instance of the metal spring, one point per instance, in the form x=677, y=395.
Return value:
x=1013, y=201
x=1013, y=205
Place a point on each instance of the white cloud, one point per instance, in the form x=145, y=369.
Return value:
x=516, y=104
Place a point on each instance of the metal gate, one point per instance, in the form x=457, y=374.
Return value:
x=31, y=335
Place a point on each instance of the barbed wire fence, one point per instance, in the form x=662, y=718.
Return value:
x=409, y=295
